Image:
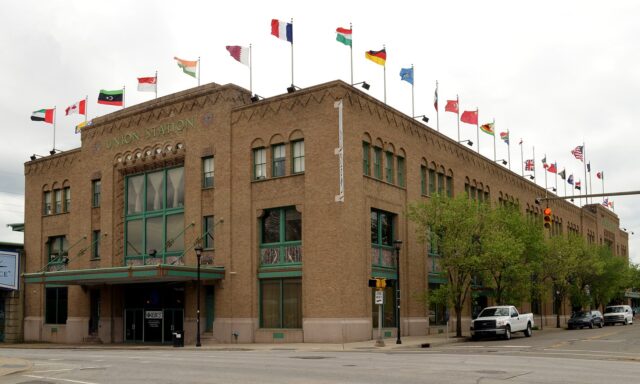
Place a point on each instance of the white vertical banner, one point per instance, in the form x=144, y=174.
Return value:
x=340, y=152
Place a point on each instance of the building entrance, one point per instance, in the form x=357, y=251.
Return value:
x=153, y=312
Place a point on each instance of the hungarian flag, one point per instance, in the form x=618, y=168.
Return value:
x=378, y=57
x=600, y=175
x=344, y=36
x=111, y=97
x=552, y=168
x=452, y=106
x=282, y=30
x=529, y=165
x=487, y=128
x=147, y=84
x=505, y=137
x=469, y=117
x=45, y=115
x=79, y=107
x=241, y=54
x=188, y=66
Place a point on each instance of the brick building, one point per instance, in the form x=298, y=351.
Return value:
x=291, y=228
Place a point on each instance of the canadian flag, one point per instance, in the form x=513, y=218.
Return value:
x=79, y=107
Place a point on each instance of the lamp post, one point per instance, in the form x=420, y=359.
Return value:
x=397, y=244
x=198, y=250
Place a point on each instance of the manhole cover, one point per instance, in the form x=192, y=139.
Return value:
x=311, y=357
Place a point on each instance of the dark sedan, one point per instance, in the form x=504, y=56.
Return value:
x=583, y=319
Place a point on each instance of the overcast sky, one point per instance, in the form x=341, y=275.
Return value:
x=554, y=73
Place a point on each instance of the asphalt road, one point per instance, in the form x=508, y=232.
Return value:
x=606, y=355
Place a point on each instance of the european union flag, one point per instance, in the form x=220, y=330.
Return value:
x=406, y=74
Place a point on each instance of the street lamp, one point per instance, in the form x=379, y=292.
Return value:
x=198, y=250
x=397, y=244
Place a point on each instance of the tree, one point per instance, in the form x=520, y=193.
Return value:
x=558, y=267
x=615, y=276
x=457, y=225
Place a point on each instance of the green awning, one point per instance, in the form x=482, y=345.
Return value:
x=125, y=275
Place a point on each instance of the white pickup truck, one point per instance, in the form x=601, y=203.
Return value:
x=501, y=320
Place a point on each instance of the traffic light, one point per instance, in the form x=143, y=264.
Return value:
x=378, y=282
x=547, y=218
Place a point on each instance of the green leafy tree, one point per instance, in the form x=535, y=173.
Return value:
x=613, y=278
x=559, y=265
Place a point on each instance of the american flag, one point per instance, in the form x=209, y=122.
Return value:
x=529, y=165
x=578, y=153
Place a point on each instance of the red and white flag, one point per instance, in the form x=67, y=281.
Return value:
x=147, y=84
x=79, y=107
x=241, y=54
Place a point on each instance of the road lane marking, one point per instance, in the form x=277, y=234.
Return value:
x=592, y=351
x=58, y=379
x=54, y=370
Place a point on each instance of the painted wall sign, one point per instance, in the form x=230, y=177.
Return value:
x=9, y=268
x=149, y=133
x=153, y=314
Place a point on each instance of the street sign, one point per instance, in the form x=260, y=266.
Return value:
x=379, y=297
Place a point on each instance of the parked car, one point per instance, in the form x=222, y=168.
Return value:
x=501, y=320
x=581, y=319
x=614, y=314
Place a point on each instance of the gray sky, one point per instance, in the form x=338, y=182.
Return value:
x=555, y=73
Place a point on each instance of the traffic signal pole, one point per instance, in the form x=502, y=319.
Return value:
x=541, y=199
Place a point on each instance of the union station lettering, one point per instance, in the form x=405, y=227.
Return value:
x=149, y=133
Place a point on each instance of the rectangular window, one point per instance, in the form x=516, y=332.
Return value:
x=278, y=157
x=46, y=207
x=259, y=163
x=56, y=305
x=382, y=229
x=449, y=181
x=95, y=192
x=423, y=180
x=432, y=181
x=281, y=303
x=297, y=149
x=377, y=163
x=58, y=247
x=207, y=172
x=281, y=236
x=67, y=199
x=441, y=184
x=95, y=245
x=207, y=232
x=58, y=200
x=401, y=171
x=389, y=167
x=366, y=155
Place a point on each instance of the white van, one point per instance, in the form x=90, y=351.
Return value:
x=618, y=314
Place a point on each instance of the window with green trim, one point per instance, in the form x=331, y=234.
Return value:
x=58, y=198
x=382, y=238
x=278, y=157
x=297, y=150
x=377, y=163
x=366, y=155
x=207, y=232
x=281, y=237
x=208, y=168
x=449, y=187
x=423, y=180
x=389, y=167
x=46, y=206
x=432, y=181
x=259, y=163
x=57, y=247
x=400, y=171
x=281, y=303
x=441, y=183
x=95, y=193
x=95, y=245
x=66, y=192
x=56, y=300
x=154, y=216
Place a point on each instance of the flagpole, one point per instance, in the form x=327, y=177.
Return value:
x=478, y=128
x=458, y=110
x=564, y=170
x=590, y=183
x=509, y=149
x=573, y=192
x=522, y=158
x=251, y=69
x=438, y=110
x=351, y=51
x=55, y=115
x=584, y=161
x=156, y=84
x=384, y=71
x=535, y=179
x=292, y=52
x=546, y=191
x=199, y=65
x=555, y=164
x=86, y=107
x=123, y=97
x=494, y=140
x=413, y=80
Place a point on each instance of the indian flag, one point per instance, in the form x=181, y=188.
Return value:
x=344, y=36
x=45, y=115
x=487, y=128
x=189, y=67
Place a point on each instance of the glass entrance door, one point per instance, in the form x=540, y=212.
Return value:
x=173, y=321
x=134, y=329
x=94, y=316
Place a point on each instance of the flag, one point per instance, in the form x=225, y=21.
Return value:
x=589, y=167
x=578, y=185
x=570, y=179
x=600, y=175
x=606, y=202
x=45, y=115
x=520, y=143
x=241, y=54
x=487, y=128
x=469, y=117
x=147, y=84
x=505, y=137
x=611, y=204
x=378, y=57
x=79, y=107
x=83, y=125
x=188, y=66
x=577, y=152
x=282, y=30
x=529, y=165
x=544, y=162
x=344, y=36
x=435, y=99
x=406, y=74
x=552, y=168
x=452, y=106
x=563, y=174
x=111, y=97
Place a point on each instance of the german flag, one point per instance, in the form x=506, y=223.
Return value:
x=378, y=57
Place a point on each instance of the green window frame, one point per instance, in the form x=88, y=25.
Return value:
x=96, y=186
x=281, y=303
x=432, y=181
x=154, y=216
x=281, y=237
x=46, y=204
x=278, y=160
x=449, y=187
x=297, y=150
x=366, y=155
x=207, y=232
x=56, y=300
x=423, y=180
x=58, y=200
x=400, y=171
x=208, y=172
x=259, y=163
x=66, y=193
x=377, y=163
x=382, y=236
x=389, y=167
x=95, y=245
x=58, y=248
x=441, y=185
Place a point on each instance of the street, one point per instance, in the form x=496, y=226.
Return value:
x=610, y=354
